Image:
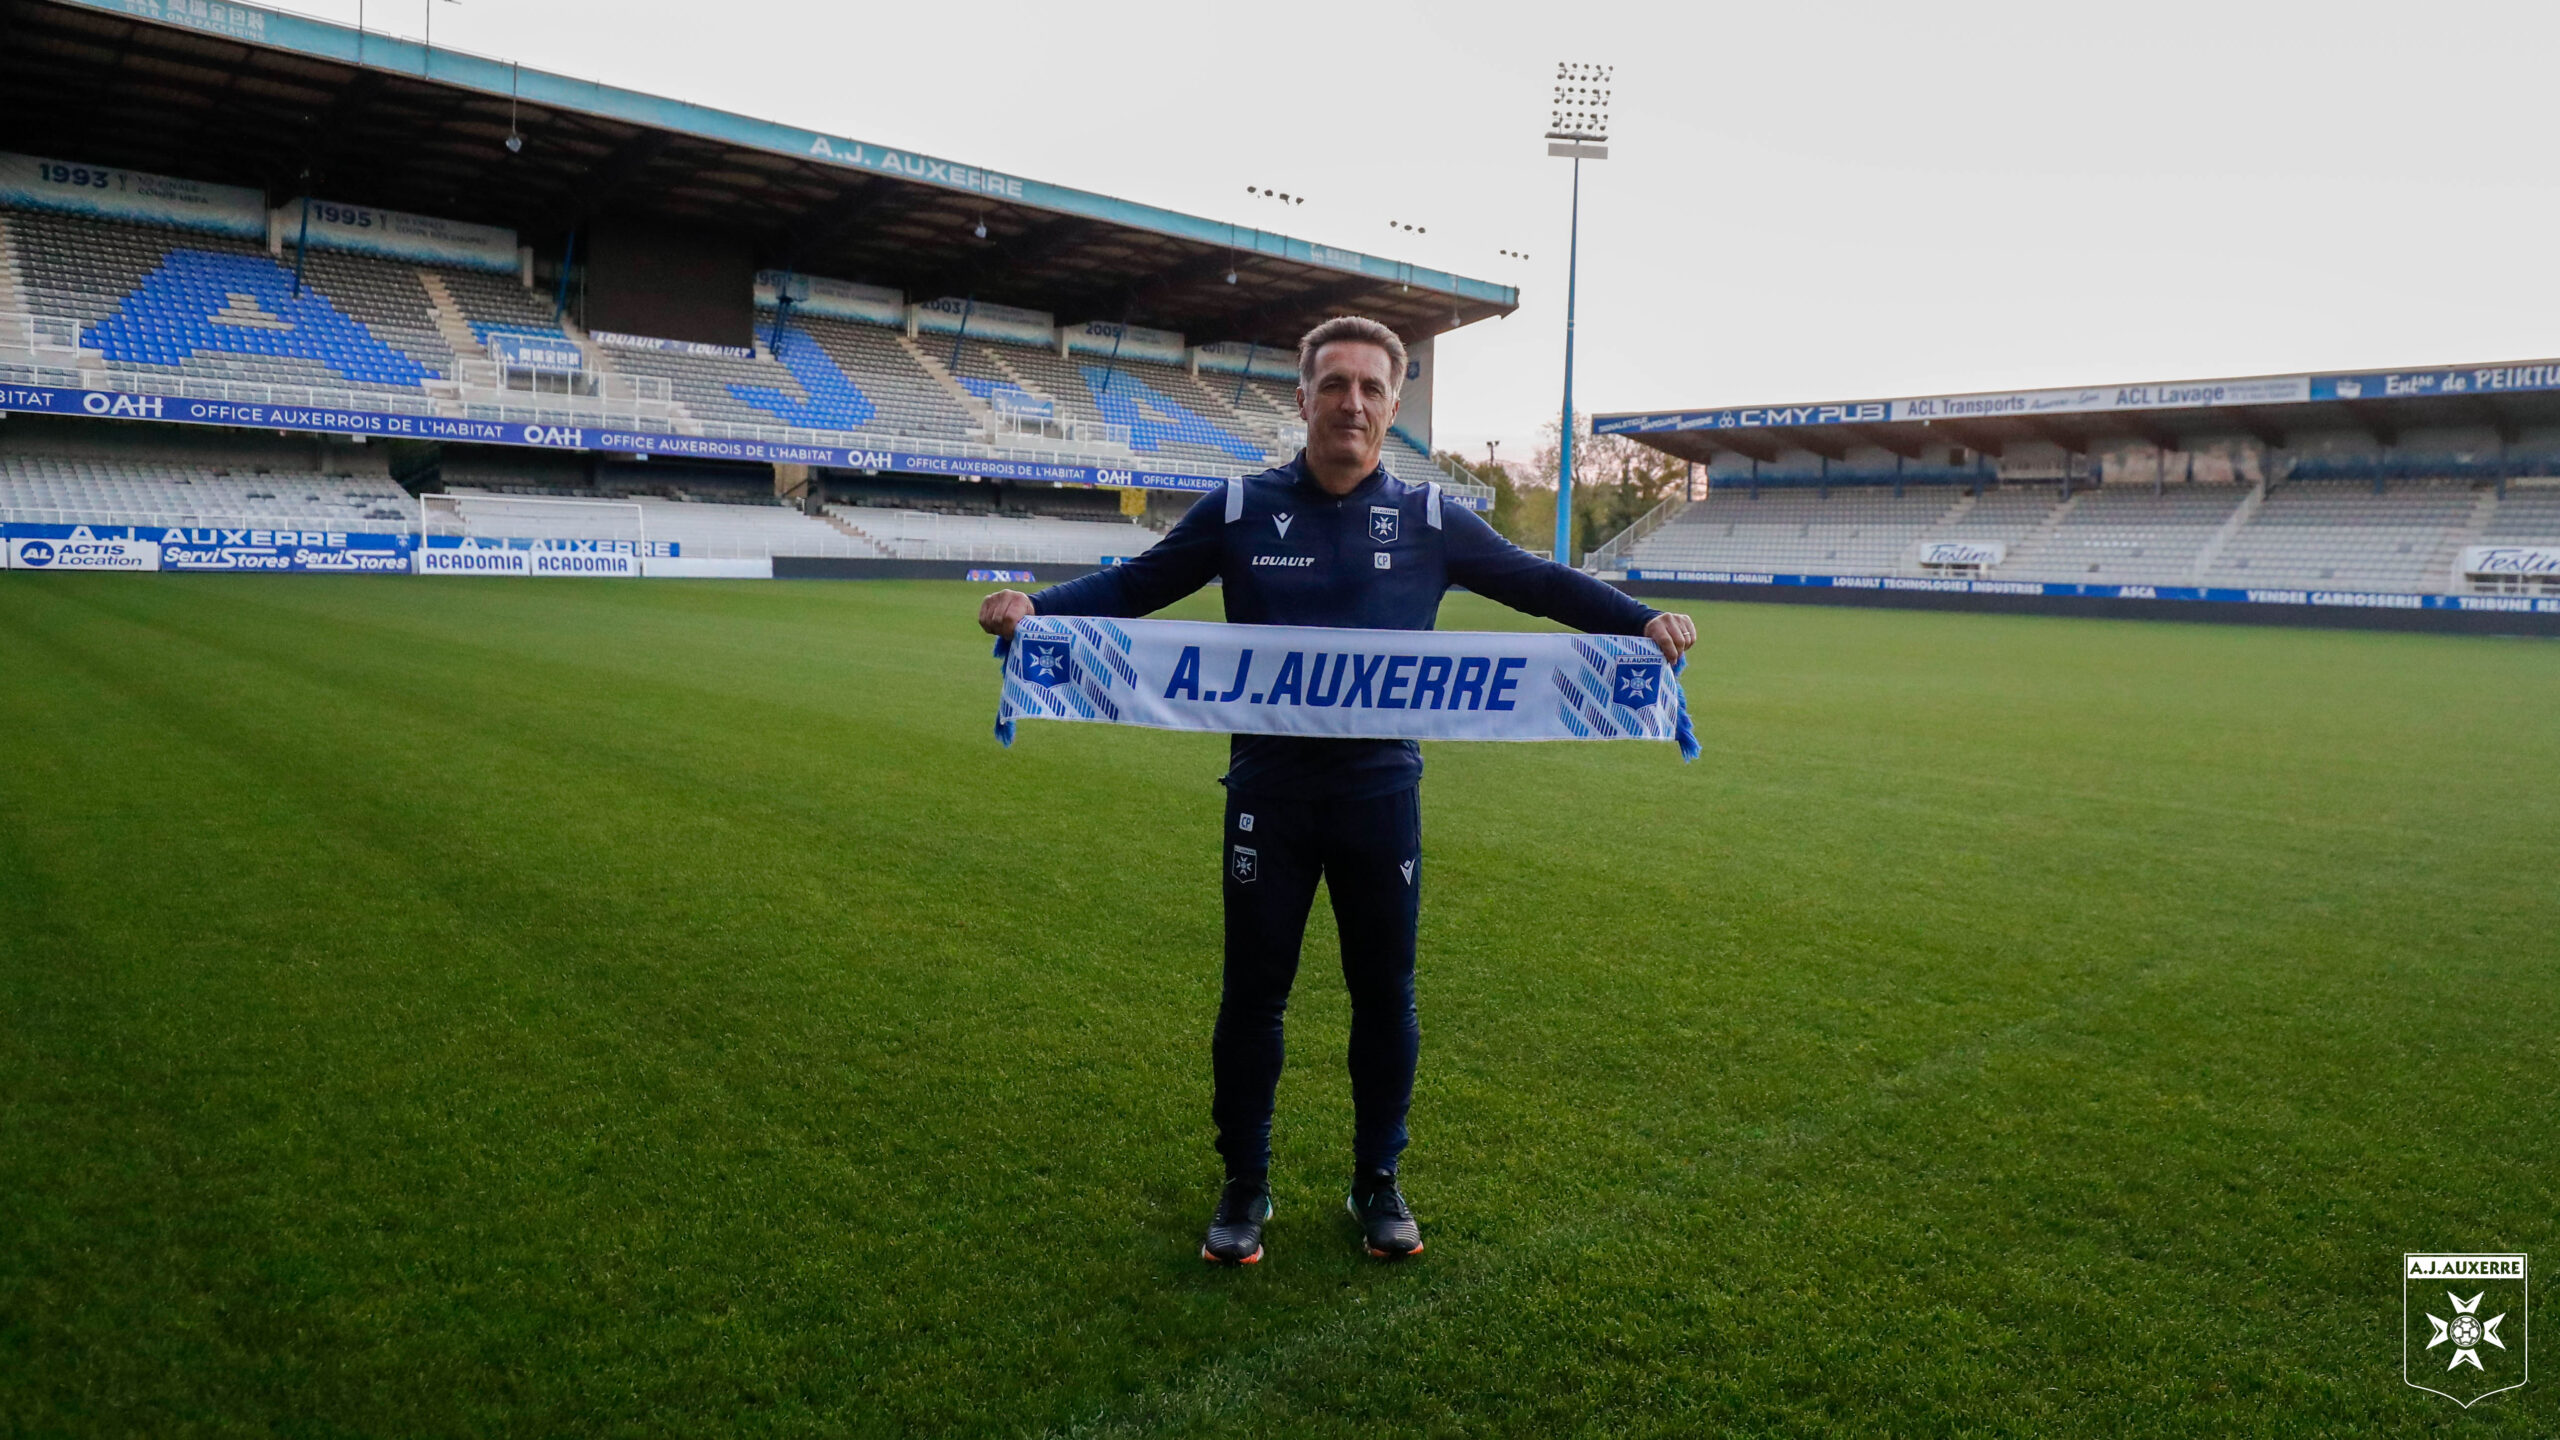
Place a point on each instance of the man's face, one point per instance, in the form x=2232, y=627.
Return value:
x=1350, y=405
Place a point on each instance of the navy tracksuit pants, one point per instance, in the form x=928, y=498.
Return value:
x=1369, y=854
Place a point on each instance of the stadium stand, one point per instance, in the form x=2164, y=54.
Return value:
x=390, y=301
x=1406, y=462
x=1869, y=532
x=1257, y=400
x=833, y=400
x=976, y=367
x=2429, y=491
x=911, y=396
x=156, y=309
x=2341, y=535
x=1268, y=406
x=45, y=489
x=372, y=314
x=172, y=312
x=1157, y=412
x=2005, y=516
x=161, y=306
x=926, y=535
x=1157, y=423
x=748, y=394
x=700, y=530
x=2125, y=534
x=490, y=304
x=2344, y=535
x=2530, y=514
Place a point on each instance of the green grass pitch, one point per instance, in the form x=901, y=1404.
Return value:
x=472, y=1007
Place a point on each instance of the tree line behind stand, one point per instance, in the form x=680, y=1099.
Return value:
x=1615, y=481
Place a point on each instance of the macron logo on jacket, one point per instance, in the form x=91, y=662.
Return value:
x=1282, y=521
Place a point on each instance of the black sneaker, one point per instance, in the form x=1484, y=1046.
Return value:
x=1387, y=1225
x=1235, y=1232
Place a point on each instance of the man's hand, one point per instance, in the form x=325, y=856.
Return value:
x=1674, y=633
x=1000, y=612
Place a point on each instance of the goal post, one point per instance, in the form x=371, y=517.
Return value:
x=534, y=519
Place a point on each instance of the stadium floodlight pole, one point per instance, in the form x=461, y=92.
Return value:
x=1578, y=131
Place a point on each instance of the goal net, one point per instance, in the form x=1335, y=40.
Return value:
x=619, y=525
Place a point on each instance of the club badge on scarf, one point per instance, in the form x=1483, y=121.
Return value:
x=1349, y=684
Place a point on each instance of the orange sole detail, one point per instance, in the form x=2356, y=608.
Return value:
x=1378, y=1254
x=1253, y=1259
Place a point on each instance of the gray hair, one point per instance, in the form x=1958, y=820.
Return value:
x=1358, y=328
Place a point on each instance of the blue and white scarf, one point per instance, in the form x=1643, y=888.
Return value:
x=1347, y=684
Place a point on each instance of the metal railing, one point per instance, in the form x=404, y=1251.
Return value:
x=1285, y=436
x=623, y=400
x=519, y=381
x=509, y=407
x=647, y=524
x=1001, y=551
x=940, y=448
x=20, y=330
x=57, y=376
x=255, y=392
x=1613, y=554
x=977, y=543
x=1458, y=480
x=1016, y=425
x=183, y=518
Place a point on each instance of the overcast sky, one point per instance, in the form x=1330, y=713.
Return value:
x=1804, y=201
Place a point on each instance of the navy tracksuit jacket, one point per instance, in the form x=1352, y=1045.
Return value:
x=1348, y=811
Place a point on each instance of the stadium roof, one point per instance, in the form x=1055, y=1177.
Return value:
x=2272, y=408
x=237, y=94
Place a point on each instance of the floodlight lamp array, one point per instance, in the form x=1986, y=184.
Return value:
x=1581, y=109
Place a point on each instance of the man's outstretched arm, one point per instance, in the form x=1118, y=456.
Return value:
x=1183, y=561
x=1481, y=560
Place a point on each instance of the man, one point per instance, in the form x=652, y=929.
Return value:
x=1329, y=539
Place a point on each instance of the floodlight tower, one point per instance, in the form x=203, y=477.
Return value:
x=1577, y=131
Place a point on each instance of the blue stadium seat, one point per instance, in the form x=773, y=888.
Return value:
x=170, y=317
x=834, y=403
x=1154, y=419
